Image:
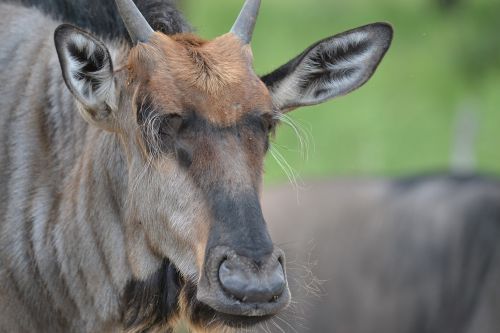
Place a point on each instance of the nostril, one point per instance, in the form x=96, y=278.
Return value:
x=278, y=279
x=251, y=285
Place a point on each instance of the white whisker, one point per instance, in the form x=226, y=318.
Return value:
x=304, y=136
x=285, y=166
x=277, y=326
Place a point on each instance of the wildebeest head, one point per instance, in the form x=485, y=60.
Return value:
x=194, y=121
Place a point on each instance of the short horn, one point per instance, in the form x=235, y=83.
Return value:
x=245, y=23
x=137, y=26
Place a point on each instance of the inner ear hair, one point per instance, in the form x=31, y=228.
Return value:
x=86, y=67
x=329, y=68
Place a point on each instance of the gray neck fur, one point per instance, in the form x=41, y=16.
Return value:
x=63, y=264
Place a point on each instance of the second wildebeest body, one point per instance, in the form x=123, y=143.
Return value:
x=419, y=255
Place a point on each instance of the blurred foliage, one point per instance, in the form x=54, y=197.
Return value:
x=445, y=53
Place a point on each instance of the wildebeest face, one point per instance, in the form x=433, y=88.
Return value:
x=194, y=121
x=210, y=143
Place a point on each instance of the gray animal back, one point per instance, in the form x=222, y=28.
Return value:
x=40, y=133
x=101, y=17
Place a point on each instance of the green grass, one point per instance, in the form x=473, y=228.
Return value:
x=402, y=120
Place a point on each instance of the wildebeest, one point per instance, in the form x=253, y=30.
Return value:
x=131, y=172
x=414, y=255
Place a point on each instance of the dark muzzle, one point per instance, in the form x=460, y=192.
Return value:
x=237, y=285
x=249, y=282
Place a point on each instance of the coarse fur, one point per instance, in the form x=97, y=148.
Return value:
x=131, y=172
x=102, y=19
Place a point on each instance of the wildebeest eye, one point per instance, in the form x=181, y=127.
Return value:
x=159, y=130
x=170, y=124
x=268, y=122
x=168, y=129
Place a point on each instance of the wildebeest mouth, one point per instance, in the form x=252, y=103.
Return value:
x=200, y=314
x=166, y=296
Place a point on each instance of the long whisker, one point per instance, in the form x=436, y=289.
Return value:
x=304, y=136
x=277, y=326
x=285, y=166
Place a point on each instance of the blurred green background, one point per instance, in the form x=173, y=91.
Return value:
x=445, y=57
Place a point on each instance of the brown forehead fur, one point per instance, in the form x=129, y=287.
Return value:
x=214, y=78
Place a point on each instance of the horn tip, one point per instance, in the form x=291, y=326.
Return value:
x=245, y=23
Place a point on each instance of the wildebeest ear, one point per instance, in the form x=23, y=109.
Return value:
x=332, y=67
x=88, y=72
